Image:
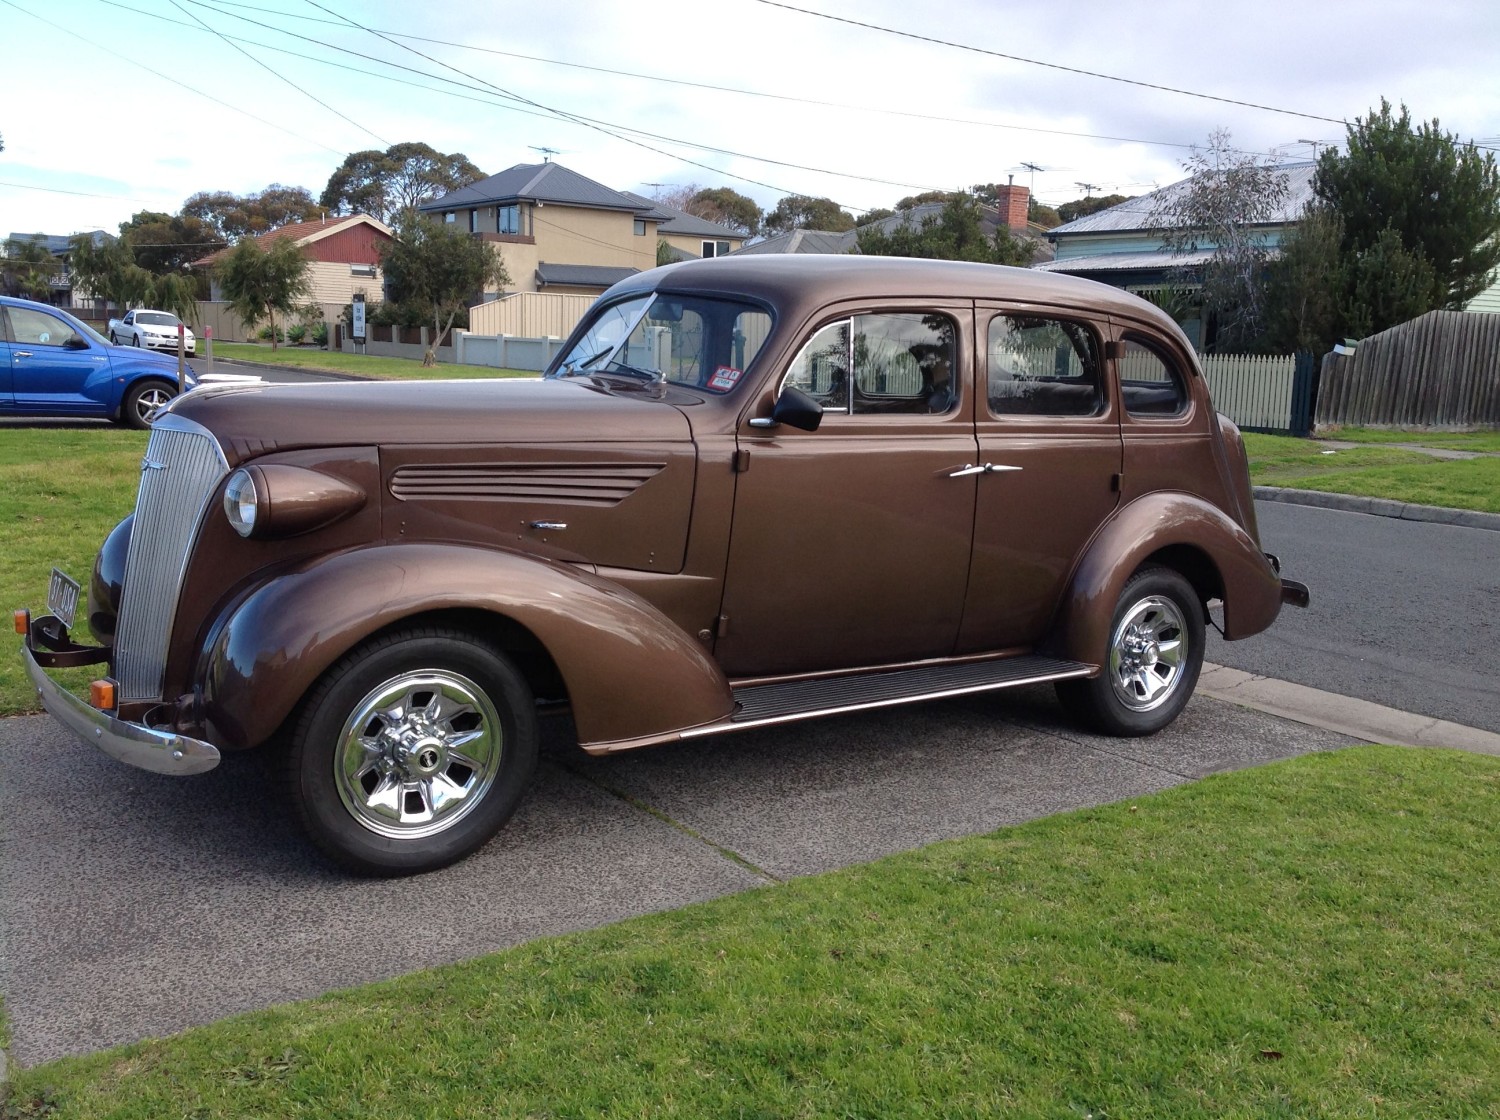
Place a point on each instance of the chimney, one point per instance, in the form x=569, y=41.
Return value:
x=1012, y=202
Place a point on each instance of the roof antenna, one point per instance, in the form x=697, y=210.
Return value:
x=547, y=153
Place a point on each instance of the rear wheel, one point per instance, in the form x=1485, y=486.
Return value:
x=412, y=752
x=143, y=401
x=1152, y=662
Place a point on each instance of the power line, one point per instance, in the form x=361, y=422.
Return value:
x=283, y=77
x=167, y=77
x=80, y=194
x=1047, y=65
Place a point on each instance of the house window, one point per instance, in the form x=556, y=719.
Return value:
x=367, y=270
x=715, y=248
x=508, y=218
x=449, y=217
x=640, y=227
x=473, y=221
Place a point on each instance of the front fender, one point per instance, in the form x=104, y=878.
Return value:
x=630, y=672
x=1251, y=587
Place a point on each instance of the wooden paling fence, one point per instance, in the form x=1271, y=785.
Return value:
x=1441, y=370
x=1262, y=392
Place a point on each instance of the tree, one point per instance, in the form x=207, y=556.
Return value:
x=437, y=268
x=259, y=282
x=1083, y=207
x=1305, y=286
x=954, y=234
x=28, y=268
x=912, y=201
x=164, y=243
x=878, y=214
x=1226, y=197
x=800, y=211
x=229, y=216
x=388, y=184
x=728, y=208
x=108, y=270
x=1042, y=214
x=1439, y=198
x=665, y=254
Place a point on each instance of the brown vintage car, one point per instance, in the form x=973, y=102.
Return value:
x=748, y=491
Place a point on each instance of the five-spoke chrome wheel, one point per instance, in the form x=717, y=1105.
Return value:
x=1146, y=653
x=419, y=752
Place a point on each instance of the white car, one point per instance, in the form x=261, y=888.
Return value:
x=156, y=330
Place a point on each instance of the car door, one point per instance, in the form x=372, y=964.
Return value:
x=7, y=398
x=1049, y=434
x=125, y=324
x=850, y=544
x=53, y=365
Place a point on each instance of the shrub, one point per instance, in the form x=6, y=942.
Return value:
x=320, y=334
x=264, y=334
x=296, y=334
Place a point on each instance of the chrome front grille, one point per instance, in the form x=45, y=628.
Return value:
x=181, y=471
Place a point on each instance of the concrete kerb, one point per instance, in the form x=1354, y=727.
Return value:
x=1360, y=719
x=1380, y=507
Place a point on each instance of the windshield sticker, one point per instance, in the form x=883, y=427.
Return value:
x=725, y=378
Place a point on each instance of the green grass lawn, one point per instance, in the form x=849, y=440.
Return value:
x=1459, y=441
x=401, y=369
x=1315, y=938
x=1374, y=471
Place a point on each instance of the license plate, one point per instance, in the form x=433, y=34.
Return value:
x=62, y=597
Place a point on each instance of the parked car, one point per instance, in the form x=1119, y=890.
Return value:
x=156, y=330
x=748, y=491
x=52, y=364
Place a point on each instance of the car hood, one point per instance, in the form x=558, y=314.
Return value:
x=252, y=420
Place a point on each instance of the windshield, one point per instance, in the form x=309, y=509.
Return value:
x=155, y=319
x=700, y=342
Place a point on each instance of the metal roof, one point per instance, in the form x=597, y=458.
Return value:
x=536, y=182
x=1136, y=214
x=804, y=241
x=1124, y=262
x=581, y=275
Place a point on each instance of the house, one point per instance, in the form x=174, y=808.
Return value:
x=1013, y=203
x=691, y=237
x=343, y=256
x=1123, y=245
x=557, y=231
x=61, y=247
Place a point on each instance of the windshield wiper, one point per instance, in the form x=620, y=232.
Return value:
x=650, y=375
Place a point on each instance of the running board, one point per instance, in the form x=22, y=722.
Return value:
x=783, y=702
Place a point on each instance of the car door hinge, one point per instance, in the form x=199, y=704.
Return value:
x=1114, y=482
x=741, y=462
x=721, y=626
x=1115, y=349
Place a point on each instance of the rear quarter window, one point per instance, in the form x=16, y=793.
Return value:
x=1151, y=383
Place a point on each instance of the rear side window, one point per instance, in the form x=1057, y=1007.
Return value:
x=1150, y=382
x=1042, y=367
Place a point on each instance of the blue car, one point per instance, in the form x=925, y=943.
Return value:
x=51, y=364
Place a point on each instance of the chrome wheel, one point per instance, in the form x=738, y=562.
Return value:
x=1147, y=653
x=149, y=401
x=418, y=754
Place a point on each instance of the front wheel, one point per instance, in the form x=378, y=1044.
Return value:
x=412, y=752
x=143, y=401
x=1152, y=663
x=113, y=338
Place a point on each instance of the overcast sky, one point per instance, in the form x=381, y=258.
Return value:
x=81, y=113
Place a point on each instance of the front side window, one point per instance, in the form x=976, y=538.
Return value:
x=901, y=363
x=1038, y=366
x=37, y=328
x=1150, y=384
x=508, y=218
x=700, y=342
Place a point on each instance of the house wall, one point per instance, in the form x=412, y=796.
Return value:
x=357, y=244
x=1487, y=302
x=694, y=244
x=334, y=283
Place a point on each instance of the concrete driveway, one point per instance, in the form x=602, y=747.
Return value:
x=136, y=905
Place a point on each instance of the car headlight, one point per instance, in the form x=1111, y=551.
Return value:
x=279, y=500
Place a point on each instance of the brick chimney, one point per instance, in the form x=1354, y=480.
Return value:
x=1012, y=202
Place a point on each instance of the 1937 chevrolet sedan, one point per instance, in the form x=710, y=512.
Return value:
x=748, y=491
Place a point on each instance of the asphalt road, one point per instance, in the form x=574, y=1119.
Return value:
x=1404, y=613
x=136, y=905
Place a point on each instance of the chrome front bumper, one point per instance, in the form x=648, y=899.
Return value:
x=162, y=752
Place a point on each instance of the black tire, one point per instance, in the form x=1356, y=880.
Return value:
x=113, y=339
x=136, y=341
x=361, y=778
x=143, y=399
x=1138, y=690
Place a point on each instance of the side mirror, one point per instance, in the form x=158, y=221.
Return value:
x=793, y=408
x=75, y=343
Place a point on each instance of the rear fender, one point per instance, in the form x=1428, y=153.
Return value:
x=1251, y=589
x=630, y=672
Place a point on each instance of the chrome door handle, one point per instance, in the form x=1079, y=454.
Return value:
x=553, y=526
x=21, y=353
x=996, y=468
x=967, y=469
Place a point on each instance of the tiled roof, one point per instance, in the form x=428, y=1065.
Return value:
x=672, y=220
x=581, y=275
x=536, y=182
x=1136, y=214
x=804, y=241
x=296, y=231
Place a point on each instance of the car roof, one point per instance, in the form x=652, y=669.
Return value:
x=808, y=279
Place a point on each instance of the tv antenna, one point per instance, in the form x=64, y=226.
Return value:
x=1033, y=168
x=547, y=153
x=1087, y=188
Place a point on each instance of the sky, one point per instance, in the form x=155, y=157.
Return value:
x=114, y=106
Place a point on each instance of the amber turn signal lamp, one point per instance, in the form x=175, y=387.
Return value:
x=23, y=622
x=102, y=694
